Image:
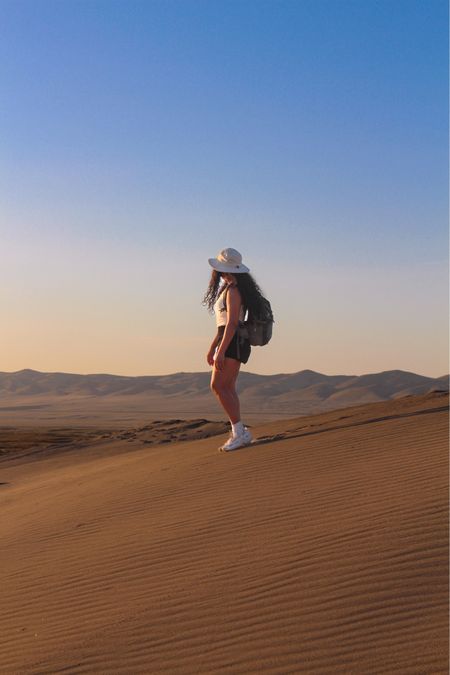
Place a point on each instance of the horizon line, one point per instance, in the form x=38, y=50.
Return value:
x=197, y=372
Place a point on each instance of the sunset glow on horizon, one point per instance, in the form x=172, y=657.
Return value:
x=140, y=138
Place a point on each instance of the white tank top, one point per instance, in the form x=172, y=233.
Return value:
x=220, y=309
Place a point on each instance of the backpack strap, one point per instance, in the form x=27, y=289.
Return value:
x=224, y=298
x=243, y=307
x=225, y=291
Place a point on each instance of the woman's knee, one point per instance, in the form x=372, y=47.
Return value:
x=215, y=385
x=219, y=384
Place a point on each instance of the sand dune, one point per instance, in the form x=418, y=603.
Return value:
x=321, y=549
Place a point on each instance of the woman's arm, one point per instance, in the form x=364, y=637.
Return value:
x=215, y=341
x=212, y=349
x=233, y=308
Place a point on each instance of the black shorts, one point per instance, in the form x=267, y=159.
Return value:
x=241, y=351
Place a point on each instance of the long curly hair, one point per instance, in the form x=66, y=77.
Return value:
x=252, y=298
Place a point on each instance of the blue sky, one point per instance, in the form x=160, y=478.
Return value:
x=140, y=138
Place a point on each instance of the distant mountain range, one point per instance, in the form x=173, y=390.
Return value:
x=293, y=393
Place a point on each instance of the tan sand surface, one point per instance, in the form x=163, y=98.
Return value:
x=32, y=442
x=320, y=549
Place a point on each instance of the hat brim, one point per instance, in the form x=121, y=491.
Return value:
x=229, y=269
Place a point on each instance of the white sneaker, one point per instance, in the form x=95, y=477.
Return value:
x=235, y=442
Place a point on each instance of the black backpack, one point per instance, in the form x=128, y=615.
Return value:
x=257, y=329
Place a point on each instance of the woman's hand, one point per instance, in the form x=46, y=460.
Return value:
x=210, y=356
x=220, y=360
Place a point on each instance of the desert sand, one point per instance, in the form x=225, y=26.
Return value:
x=322, y=548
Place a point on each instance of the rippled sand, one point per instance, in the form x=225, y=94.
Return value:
x=320, y=549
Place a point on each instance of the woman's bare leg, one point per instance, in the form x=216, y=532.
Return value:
x=223, y=385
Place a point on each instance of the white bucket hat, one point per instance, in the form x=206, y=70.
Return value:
x=229, y=260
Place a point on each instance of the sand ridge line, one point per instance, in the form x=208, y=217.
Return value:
x=261, y=440
x=21, y=444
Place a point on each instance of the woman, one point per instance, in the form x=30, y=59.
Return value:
x=230, y=300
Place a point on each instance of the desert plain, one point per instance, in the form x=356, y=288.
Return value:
x=321, y=548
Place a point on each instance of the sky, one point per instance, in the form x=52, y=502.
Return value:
x=139, y=138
